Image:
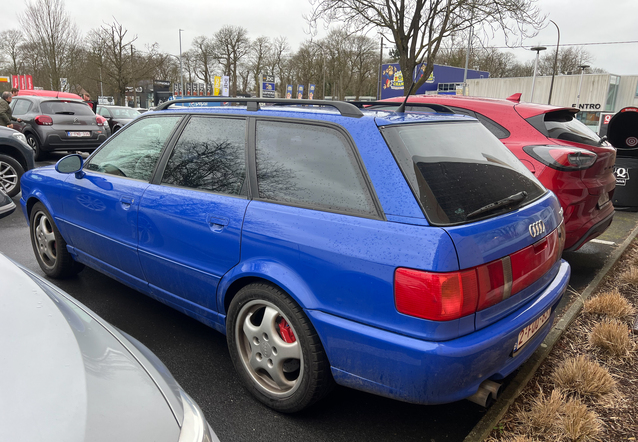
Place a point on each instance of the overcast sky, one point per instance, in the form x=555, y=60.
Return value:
x=580, y=21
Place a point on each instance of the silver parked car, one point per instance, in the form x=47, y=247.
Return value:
x=68, y=375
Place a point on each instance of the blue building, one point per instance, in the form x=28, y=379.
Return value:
x=443, y=80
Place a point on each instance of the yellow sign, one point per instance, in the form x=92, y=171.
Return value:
x=217, y=85
x=5, y=79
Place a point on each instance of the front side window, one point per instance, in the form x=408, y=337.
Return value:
x=209, y=155
x=310, y=166
x=104, y=112
x=135, y=150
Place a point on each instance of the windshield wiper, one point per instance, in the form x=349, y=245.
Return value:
x=516, y=198
x=65, y=113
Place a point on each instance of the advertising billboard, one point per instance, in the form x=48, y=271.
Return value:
x=267, y=86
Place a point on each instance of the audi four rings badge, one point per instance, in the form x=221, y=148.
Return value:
x=537, y=228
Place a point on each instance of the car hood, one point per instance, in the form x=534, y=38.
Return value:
x=65, y=376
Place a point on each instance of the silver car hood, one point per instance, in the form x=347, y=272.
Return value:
x=65, y=377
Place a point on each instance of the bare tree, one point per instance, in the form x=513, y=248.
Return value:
x=569, y=60
x=260, y=52
x=418, y=27
x=48, y=27
x=232, y=44
x=204, y=58
x=10, y=40
x=277, y=60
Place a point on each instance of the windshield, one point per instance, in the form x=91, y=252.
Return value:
x=457, y=168
x=563, y=125
x=59, y=107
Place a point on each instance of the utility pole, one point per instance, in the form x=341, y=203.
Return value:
x=181, y=69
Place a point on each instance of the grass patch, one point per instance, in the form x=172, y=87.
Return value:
x=584, y=377
x=543, y=414
x=612, y=338
x=630, y=276
x=578, y=423
x=611, y=304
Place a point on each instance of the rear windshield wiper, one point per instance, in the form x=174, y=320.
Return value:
x=516, y=198
x=65, y=113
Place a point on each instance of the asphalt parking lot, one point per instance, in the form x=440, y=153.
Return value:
x=199, y=360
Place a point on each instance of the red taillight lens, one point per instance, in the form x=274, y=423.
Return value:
x=562, y=157
x=448, y=296
x=100, y=120
x=43, y=120
x=435, y=296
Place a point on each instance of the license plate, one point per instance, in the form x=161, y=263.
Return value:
x=78, y=134
x=528, y=332
x=603, y=199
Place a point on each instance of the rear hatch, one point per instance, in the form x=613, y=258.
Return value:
x=506, y=227
x=73, y=119
x=562, y=128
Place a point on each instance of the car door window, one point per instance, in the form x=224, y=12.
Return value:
x=209, y=155
x=20, y=107
x=499, y=131
x=104, y=112
x=134, y=152
x=311, y=166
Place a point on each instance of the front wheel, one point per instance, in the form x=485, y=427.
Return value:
x=276, y=350
x=49, y=246
x=32, y=140
x=10, y=173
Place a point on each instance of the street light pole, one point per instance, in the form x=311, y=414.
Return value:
x=580, y=85
x=181, y=69
x=551, y=87
x=538, y=49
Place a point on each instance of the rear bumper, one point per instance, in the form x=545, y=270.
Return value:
x=56, y=142
x=428, y=372
x=591, y=230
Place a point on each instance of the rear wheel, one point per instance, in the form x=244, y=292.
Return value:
x=276, y=350
x=10, y=173
x=49, y=246
x=32, y=140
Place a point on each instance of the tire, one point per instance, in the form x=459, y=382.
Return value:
x=49, y=246
x=286, y=376
x=10, y=174
x=32, y=141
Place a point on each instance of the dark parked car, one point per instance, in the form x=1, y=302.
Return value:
x=117, y=116
x=51, y=124
x=407, y=255
x=68, y=375
x=16, y=157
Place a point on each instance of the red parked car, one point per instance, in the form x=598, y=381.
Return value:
x=563, y=153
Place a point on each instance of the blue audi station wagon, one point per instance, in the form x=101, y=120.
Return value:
x=407, y=255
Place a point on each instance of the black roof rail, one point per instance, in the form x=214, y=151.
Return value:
x=439, y=108
x=252, y=104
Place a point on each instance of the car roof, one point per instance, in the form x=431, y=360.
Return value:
x=48, y=94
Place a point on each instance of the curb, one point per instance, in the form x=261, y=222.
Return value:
x=495, y=413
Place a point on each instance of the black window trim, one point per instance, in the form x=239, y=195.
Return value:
x=380, y=215
x=479, y=115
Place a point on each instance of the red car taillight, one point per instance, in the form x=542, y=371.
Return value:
x=100, y=120
x=562, y=157
x=43, y=120
x=448, y=296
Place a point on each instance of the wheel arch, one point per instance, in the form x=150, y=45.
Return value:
x=266, y=271
x=14, y=153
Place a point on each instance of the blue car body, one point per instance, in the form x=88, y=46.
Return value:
x=195, y=250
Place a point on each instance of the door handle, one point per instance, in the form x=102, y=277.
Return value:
x=126, y=202
x=216, y=224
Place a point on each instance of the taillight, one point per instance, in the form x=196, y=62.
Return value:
x=448, y=296
x=100, y=120
x=43, y=120
x=562, y=157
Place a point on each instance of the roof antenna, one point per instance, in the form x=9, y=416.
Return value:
x=401, y=109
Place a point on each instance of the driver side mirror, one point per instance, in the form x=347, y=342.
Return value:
x=71, y=164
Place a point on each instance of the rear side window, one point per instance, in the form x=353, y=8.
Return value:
x=209, y=155
x=499, y=131
x=563, y=125
x=65, y=108
x=21, y=107
x=310, y=166
x=457, y=168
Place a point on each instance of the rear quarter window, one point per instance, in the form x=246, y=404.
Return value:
x=310, y=166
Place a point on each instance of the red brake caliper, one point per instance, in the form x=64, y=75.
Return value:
x=286, y=332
